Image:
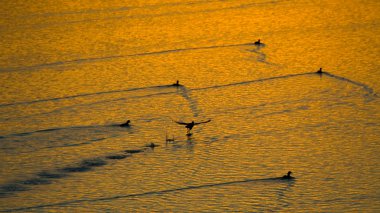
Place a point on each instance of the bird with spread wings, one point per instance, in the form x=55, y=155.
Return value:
x=190, y=125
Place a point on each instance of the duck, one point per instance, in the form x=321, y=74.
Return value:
x=320, y=71
x=126, y=124
x=151, y=145
x=190, y=125
x=258, y=42
x=287, y=176
x=176, y=84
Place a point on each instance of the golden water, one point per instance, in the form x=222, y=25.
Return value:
x=71, y=72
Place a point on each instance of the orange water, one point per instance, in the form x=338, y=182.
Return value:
x=71, y=71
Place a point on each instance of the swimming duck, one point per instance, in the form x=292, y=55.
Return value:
x=190, y=125
x=176, y=84
x=151, y=145
x=320, y=71
x=126, y=124
x=287, y=176
x=258, y=42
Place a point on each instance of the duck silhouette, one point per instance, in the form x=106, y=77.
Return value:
x=126, y=124
x=287, y=176
x=152, y=145
x=320, y=71
x=190, y=125
x=176, y=84
x=258, y=42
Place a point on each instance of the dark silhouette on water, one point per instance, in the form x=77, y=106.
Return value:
x=151, y=145
x=287, y=176
x=176, y=84
x=258, y=42
x=190, y=125
x=126, y=124
x=144, y=194
x=320, y=71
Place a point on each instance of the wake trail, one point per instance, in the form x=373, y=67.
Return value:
x=274, y=180
x=193, y=104
x=185, y=91
x=368, y=89
x=364, y=86
x=79, y=95
x=261, y=56
x=89, y=104
x=22, y=134
x=97, y=59
x=254, y=81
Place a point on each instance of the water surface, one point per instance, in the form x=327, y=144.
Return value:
x=71, y=72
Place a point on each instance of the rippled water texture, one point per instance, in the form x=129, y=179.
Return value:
x=72, y=71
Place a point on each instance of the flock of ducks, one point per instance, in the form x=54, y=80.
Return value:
x=189, y=126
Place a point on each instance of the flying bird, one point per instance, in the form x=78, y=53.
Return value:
x=190, y=125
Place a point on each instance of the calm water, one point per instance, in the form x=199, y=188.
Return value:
x=71, y=72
